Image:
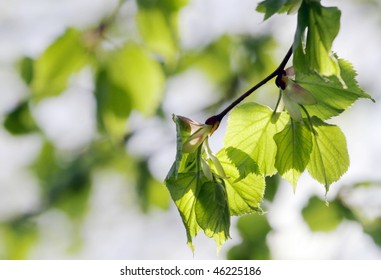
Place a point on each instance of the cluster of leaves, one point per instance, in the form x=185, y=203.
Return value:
x=261, y=141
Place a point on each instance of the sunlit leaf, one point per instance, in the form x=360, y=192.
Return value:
x=63, y=58
x=329, y=156
x=332, y=96
x=19, y=237
x=294, y=146
x=214, y=60
x=184, y=190
x=323, y=24
x=133, y=71
x=271, y=7
x=155, y=27
x=245, y=193
x=212, y=212
x=150, y=191
x=129, y=80
x=251, y=128
x=113, y=106
x=198, y=193
x=158, y=25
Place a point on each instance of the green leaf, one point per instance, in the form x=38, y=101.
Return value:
x=25, y=66
x=20, y=120
x=155, y=28
x=184, y=190
x=329, y=156
x=136, y=74
x=332, y=96
x=243, y=162
x=320, y=217
x=150, y=191
x=129, y=80
x=214, y=60
x=251, y=128
x=244, y=193
x=323, y=25
x=166, y=6
x=113, y=106
x=66, y=56
x=254, y=230
x=198, y=193
x=158, y=25
x=294, y=146
x=212, y=211
x=271, y=7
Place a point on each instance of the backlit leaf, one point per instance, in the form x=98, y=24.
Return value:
x=133, y=71
x=294, y=146
x=271, y=7
x=198, y=193
x=332, y=96
x=66, y=56
x=184, y=190
x=329, y=157
x=245, y=194
x=323, y=24
x=158, y=25
x=129, y=80
x=212, y=211
x=251, y=128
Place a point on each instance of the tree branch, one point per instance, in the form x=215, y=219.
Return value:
x=216, y=119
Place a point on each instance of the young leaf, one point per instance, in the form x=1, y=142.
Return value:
x=184, y=190
x=323, y=25
x=158, y=25
x=294, y=146
x=198, y=193
x=251, y=128
x=113, y=106
x=212, y=212
x=332, y=96
x=133, y=71
x=244, y=193
x=243, y=162
x=66, y=56
x=271, y=7
x=329, y=157
x=130, y=79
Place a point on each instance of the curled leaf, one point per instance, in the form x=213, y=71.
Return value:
x=196, y=133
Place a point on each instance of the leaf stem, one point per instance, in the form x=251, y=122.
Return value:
x=278, y=101
x=216, y=119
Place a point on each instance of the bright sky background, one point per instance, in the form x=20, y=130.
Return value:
x=114, y=231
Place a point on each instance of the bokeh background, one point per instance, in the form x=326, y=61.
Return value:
x=81, y=172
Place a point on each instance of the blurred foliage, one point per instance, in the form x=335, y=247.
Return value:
x=130, y=77
x=320, y=217
x=253, y=230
